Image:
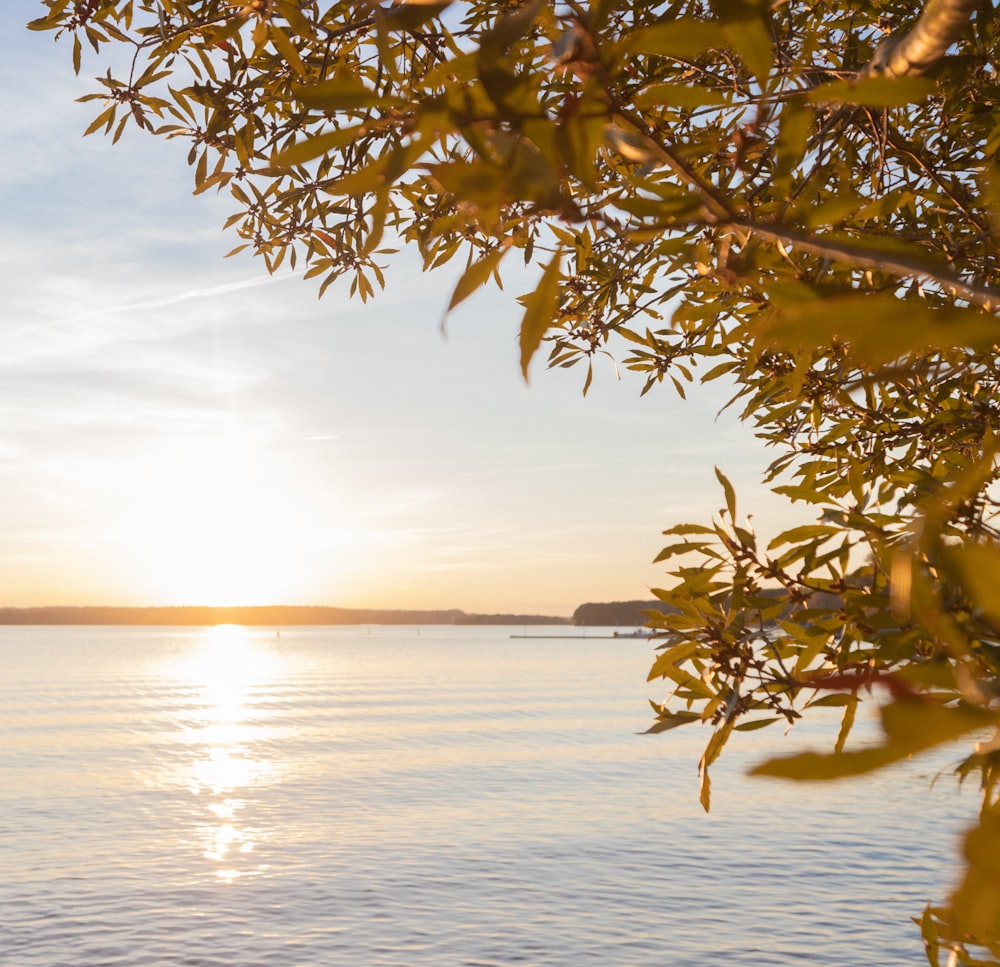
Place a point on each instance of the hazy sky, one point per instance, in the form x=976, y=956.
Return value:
x=178, y=428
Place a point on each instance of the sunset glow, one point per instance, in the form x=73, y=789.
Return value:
x=183, y=429
x=223, y=547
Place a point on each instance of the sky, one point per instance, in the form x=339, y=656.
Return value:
x=180, y=428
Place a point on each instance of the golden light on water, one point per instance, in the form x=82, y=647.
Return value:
x=228, y=667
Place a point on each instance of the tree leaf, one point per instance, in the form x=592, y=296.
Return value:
x=875, y=91
x=286, y=48
x=315, y=147
x=807, y=532
x=978, y=566
x=672, y=720
x=412, y=14
x=476, y=275
x=752, y=39
x=974, y=912
x=877, y=328
x=910, y=727
x=342, y=92
x=680, y=95
x=540, y=308
x=684, y=37
x=729, y=492
x=506, y=31
x=755, y=724
x=669, y=659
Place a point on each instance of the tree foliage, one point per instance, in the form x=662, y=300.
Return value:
x=799, y=199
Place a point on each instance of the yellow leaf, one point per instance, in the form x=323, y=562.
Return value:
x=875, y=91
x=752, y=39
x=684, y=37
x=909, y=726
x=342, y=92
x=290, y=10
x=476, y=274
x=729, y=492
x=411, y=14
x=303, y=151
x=286, y=48
x=975, y=905
x=680, y=95
x=106, y=117
x=539, y=311
x=979, y=568
x=876, y=328
x=668, y=660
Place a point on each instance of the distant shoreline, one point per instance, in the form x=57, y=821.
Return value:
x=268, y=615
x=610, y=614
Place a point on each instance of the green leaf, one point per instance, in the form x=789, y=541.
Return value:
x=292, y=12
x=745, y=23
x=834, y=210
x=50, y=22
x=847, y=722
x=362, y=181
x=811, y=766
x=715, y=744
x=540, y=308
x=712, y=750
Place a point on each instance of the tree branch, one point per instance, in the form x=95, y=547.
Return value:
x=864, y=257
x=908, y=55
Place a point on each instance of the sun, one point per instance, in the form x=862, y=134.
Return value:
x=226, y=549
x=236, y=526
x=221, y=537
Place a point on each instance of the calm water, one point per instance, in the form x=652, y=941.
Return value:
x=435, y=796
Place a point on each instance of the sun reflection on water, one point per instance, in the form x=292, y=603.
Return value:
x=228, y=668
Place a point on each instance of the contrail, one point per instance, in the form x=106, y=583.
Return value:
x=73, y=329
x=159, y=302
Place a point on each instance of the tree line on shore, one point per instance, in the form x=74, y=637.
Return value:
x=616, y=613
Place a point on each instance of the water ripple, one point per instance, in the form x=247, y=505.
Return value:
x=452, y=798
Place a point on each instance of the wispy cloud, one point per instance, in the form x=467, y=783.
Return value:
x=175, y=299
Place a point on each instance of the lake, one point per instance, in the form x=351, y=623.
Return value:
x=426, y=796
